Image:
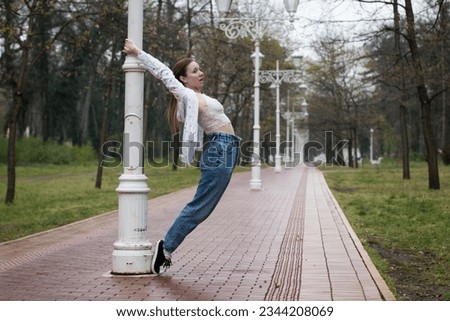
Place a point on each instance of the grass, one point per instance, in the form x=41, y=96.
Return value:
x=404, y=226
x=49, y=196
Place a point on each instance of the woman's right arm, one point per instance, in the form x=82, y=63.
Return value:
x=157, y=69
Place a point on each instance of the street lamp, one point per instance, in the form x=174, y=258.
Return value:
x=301, y=115
x=291, y=117
x=132, y=251
x=239, y=28
x=276, y=78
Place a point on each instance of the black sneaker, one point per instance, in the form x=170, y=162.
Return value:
x=159, y=259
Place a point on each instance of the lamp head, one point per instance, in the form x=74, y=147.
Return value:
x=261, y=56
x=297, y=60
x=223, y=6
x=291, y=8
x=302, y=88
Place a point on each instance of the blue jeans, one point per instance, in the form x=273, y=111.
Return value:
x=218, y=160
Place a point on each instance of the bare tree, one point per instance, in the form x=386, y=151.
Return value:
x=18, y=81
x=425, y=101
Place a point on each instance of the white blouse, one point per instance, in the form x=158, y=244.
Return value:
x=187, y=108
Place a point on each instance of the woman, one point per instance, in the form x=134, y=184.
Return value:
x=199, y=113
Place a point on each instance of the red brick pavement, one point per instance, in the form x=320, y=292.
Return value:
x=289, y=241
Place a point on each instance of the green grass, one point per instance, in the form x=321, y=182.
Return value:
x=49, y=196
x=404, y=226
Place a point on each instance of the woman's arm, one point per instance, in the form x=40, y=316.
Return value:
x=189, y=114
x=157, y=69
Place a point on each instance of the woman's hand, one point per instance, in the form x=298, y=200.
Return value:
x=130, y=48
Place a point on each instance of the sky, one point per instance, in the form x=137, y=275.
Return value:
x=350, y=18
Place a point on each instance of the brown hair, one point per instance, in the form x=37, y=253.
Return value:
x=179, y=70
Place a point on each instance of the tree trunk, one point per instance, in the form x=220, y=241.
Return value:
x=106, y=103
x=18, y=105
x=419, y=81
x=445, y=140
x=84, y=108
x=12, y=124
x=402, y=107
x=11, y=158
x=350, y=149
x=355, y=148
x=404, y=141
x=176, y=151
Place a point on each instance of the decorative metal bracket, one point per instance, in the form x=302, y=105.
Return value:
x=241, y=28
x=287, y=76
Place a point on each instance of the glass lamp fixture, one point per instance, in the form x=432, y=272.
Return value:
x=291, y=8
x=223, y=6
x=261, y=56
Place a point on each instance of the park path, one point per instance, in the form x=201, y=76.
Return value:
x=289, y=241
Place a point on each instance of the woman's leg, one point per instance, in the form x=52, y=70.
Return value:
x=217, y=165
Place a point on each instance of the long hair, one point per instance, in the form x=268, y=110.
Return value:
x=179, y=70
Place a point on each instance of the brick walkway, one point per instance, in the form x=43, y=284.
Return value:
x=289, y=241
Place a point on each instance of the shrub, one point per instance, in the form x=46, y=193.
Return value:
x=35, y=151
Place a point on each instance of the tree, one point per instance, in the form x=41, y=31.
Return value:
x=339, y=102
x=18, y=81
x=425, y=101
x=421, y=38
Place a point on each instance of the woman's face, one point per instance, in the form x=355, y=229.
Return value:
x=194, y=77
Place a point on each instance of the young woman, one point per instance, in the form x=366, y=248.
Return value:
x=199, y=113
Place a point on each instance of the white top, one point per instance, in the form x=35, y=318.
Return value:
x=187, y=108
x=213, y=117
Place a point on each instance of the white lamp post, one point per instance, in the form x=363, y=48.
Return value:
x=287, y=116
x=298, y=115
x=277, y=116
x=293, y=129
x=256, y=182
x=277, y=77
x=244, y=27
x=306, y=127
x=371, y=144
x=132, y=251
x=291, y=117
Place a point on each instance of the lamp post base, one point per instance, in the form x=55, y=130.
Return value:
x=277, y=164
x=136, y=261
x=132, y=252
x=255, y=185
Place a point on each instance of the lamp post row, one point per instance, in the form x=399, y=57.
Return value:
x=241, y=28
x=277, y=77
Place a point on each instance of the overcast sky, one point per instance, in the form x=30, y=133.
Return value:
x=316, y=18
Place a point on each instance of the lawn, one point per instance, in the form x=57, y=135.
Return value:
x=404, y=226
x=49, y=196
